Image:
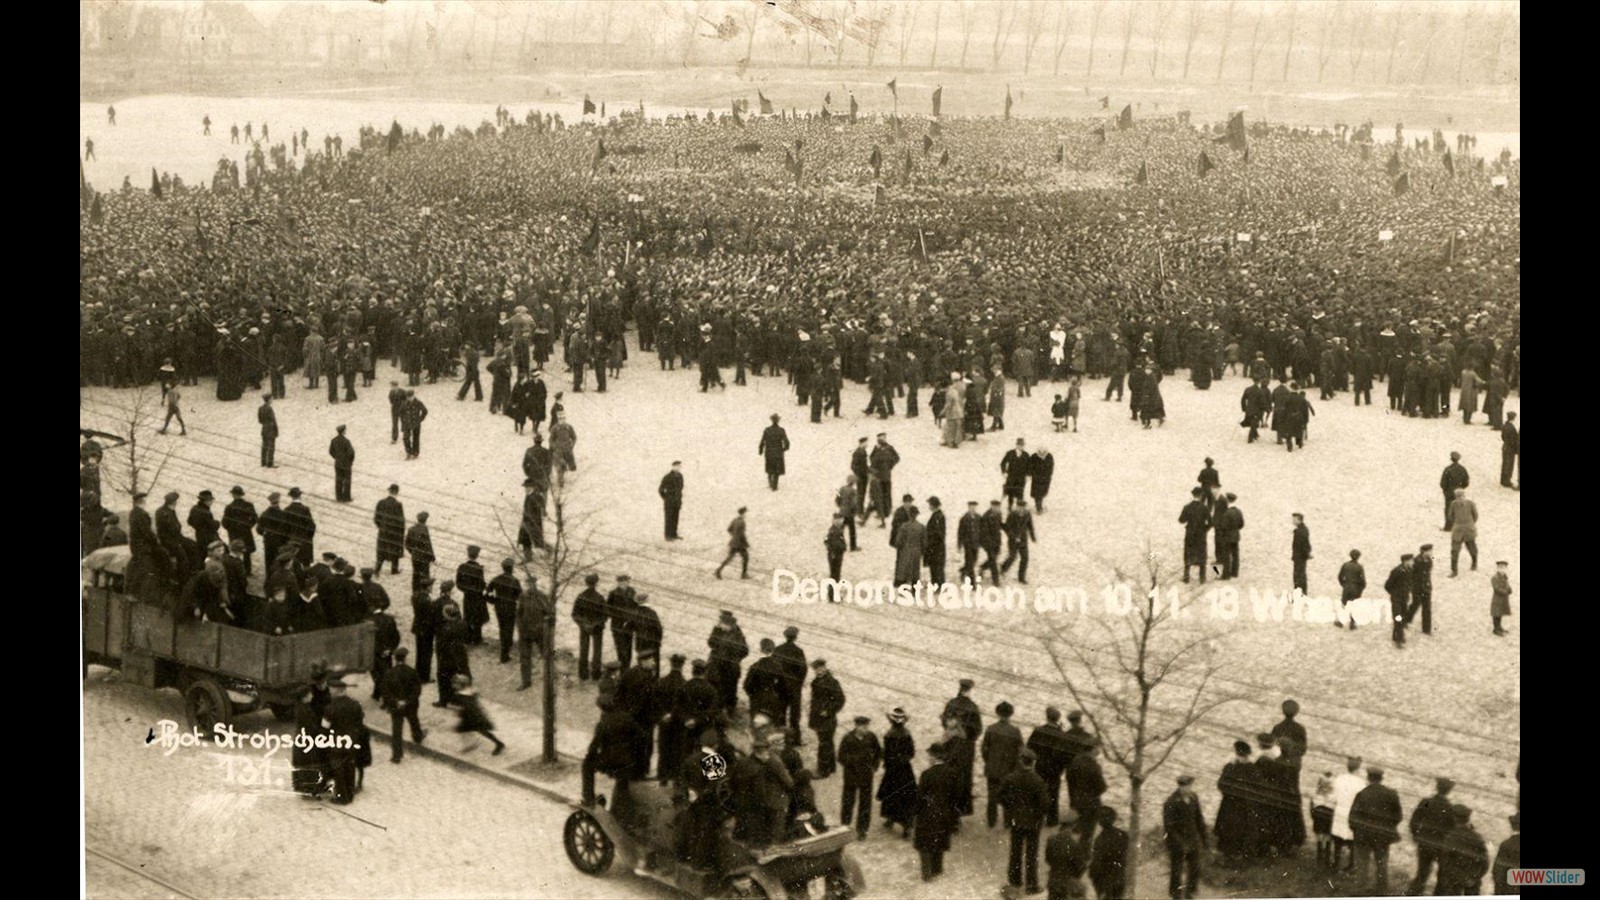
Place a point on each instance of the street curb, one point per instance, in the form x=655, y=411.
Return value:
x=463, y=765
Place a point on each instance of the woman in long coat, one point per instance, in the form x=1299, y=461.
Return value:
x=230, y=368
x=1468, y=403
x=937, y=812
x=1235, y=824
x=898, y=790
x=1151, y=405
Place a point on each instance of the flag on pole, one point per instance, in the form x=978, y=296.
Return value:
x=1235, y=136
x=1061, y=155
x=1143, y=176
x=1125, y=120
x=155, y=183
x=908, y=163
x=827, y=99
x=944, y=160
x=894, y=87
x=1206, y=165
x=588, y=105
x=927, y=145
x=938, y=97
x=766, y=105
x=1008, y=102
x=1402, y=184
x=853, y=109
x=602, y=109
x=1105, y=102
x=875, y=160
x=599, y=155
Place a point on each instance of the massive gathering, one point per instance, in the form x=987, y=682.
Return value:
x=854, y=280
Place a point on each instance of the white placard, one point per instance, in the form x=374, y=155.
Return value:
x=1243, y=237
x=1386, y=235
x=1499, y=181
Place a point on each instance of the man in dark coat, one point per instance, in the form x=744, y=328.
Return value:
x=474, y=605
x=937, y=812
x=203, y=521
x=933, y=543
x=390, y=518
x=671, y=491
x=397, y=403
x=1196, y=521
x=1375, y=817
x=424, y=625
x=774, y=444
x=827, y=699
x=589, y=613
x=1422, y=588
x=1049, y=745
x=530, y=613
x=1454, y=476
x=1024, y=797
x=276, y=530
x=860, y=754
x=371, y=596
x=269, y=431
x=1398, y=586
x=763, y=685
x=1352, y=583
x=412, y=412
x=1001, y=750
x=1464, y=859
x=1086, y=783
x=419, y=543
x=1108, y=862
x=401, y=692
x=792, y=659
x=1016, y=465
x=1042, y=468
x=344, y=460
x=670, y=736
x=969, y=538
x=239, y=519
x=1067, y=855
x=990, y=528
x=728, y=650
x=1228, y=521
x=344, y=718
x=881, y=463
x=303, y=528
x=1184, y=826
x=620, y=604
x=1431, y=823
x=1300, y=553
x=450, y=645
x=1510, y=449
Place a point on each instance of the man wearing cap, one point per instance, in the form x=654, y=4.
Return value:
x=474, y=606
x=1023, y=795
x=202, y=521
x=1067, y=855
x=530, y=617
x=860, y=753
x=419, y=543
x=1195, y=517
x=390, y=518
x=1352, y=583
x=344, y=460
x=1431, y=822
x=303, y=527
x=269, y=431
x=827, y=699
x=386, y=632
x=169, y=533
x=1001, y=747
x=412, y=412
x=1422, y=588
x=990, y=527
x=1375, y=817
x=589, y=613
x=1398, y=585
x=861, y=469
x=671, y=491
x=530, y=530
x=1184, y=827
x=1051, y=751
x=1508, y=857
x=450, y=645
x=620, y=606
x=764, y=686
x=1086, y=783
x=1015, y=467
x=668, y=706
x=738, y=544
x=238, y=518
x=1108, y=862
x=401, y=691
x=276, y=531
x=1454, y=476
x=1510, y=449
x=880, y=466
x=1300, y=553
x=792, y=659
x=774, y=444
x=344, y=718
x=938, y=811
x=1019, y=533
x=397, y=402
x=425, y=616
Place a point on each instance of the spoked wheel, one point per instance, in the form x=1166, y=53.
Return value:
x=207, y=706
x=588, y=846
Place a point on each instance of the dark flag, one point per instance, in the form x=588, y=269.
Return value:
x=599, y=155
x=852, y=109
x=1061, y=155
x=938, y=97
x=591, y=244
x=908, y=164
x=1206, y=165
x=875, y=160
x=927, y=145
x=155, y=183
x=1402, y=184
x=588, y=105
x=97, y=213
x=602, y=109
x=396, y=135
x=1105, y=102
x=1235, y=136
x=766, y=105
x=944, y=160
x=1394, y=164
x=1125, y=120
x=1143, y=176
x=1449, y=163
x=827, y=99
x=1247, y=156
x=1101, y=133
x=894, y=88
x=1008, y=102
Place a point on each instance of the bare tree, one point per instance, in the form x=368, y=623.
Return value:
x=1258, y=40
x=1127, y=37
x=692, y=13
x=908, y=27
x=1227, y=36
x=1288, y=53
x=1096, y=11
x=1397, y=22
x=1355, y=44
x=1005, y=20
x=751, y=14
x=1330, y=26
x=1191, y=33
x=969, y=17
x=1502, y=27
x=1036, y=17
x=566, y=557
x=1431, y=29
x=1063, y=28
x=143, y=466
x=839, y=29
x=938, y=13
x=1163, y=13
x=1114, y=673
x=522, y=37
x=872, y=27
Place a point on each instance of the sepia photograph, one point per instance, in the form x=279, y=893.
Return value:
x=573, y=382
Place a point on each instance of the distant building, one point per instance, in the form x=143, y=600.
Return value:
x=223, y=31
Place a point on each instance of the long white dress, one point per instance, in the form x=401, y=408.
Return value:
x=1345, y=789
x=1058, y=346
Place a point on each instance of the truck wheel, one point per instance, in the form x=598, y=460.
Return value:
x=588, y=846
x=283, y=712
x=207, y=706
